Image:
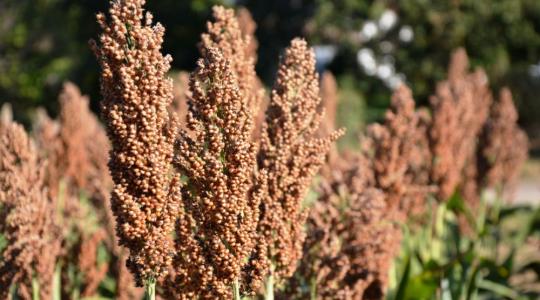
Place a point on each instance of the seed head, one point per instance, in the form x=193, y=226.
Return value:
x=290, y=155
x=27, y=217
x=136, y=95
x=503, y=147
x=459, y=107
x=352, y=236
x=216, y=227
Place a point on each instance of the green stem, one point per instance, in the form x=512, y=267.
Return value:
x=35, y=288
x=236, y=290
x=57, y=282
x=150, y=290
x=269, y=295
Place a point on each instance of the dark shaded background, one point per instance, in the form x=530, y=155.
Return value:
x=44, y=42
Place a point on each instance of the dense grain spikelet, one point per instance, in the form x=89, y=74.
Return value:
x=179, y=106
x=217, y=222
x=136, y=95
x=329, y=96
x=27, y=217
x=351, y=237
x=248, y=27
x=503, y=145
x=92, y=270
x=393, y=147
x=225, y=34
x=85, y=146
x=291, y=156
x=76, y=148
x=459, y=107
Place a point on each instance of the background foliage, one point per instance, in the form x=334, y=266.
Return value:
x=44, y=42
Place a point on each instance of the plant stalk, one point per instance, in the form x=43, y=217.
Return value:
x=269, y=291
x=236, y=290
x=35, y=288
x=150, y=290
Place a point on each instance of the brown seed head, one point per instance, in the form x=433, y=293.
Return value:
x=225, y=34
x=248, y=28
x=26, y=218
x=179, y=105
x=394, y=147
x=92, y=270
x=216, y=227
x=352, y=237
x=85, y=145
x=291, y=156
x=136, y=95
x=503, y=145
x=329, y=96
x=459, y=107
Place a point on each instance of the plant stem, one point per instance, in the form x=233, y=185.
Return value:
x=269, y=295
x=57, y=282
x=236, y=290
x=35, y=288
x=150, y=290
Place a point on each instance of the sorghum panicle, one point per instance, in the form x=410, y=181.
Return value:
x=291, y=156
x=459, y=107
x=93, y=271
x=217, y=221
x=77, y=150
x=85, y=145
x=136, y=96
x=27, y=217
x=392, y=146
x=329, y=98
x=248, y=28
x=179, y=105
x=504, y=145
x=225, y=34
x=351, y=237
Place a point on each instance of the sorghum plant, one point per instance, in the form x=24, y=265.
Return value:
x=290, y=155
x=329, y=98
x=225, y=34
x=93, y=271
x=351, y=237
x=217, y=158
x=218, y=217
x=136, y=96
x=85, y=146
x=392, y=146
x=248, y=27
x=26, y=219
x=46, y=133
x=459, y=107
x=76, y=148
x=179, y=105
x=503, y=145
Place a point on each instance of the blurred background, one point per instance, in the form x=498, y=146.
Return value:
x=370, y=47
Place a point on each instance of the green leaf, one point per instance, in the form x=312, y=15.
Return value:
x=473, y=283
x=400, y=294
x=498, y=289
